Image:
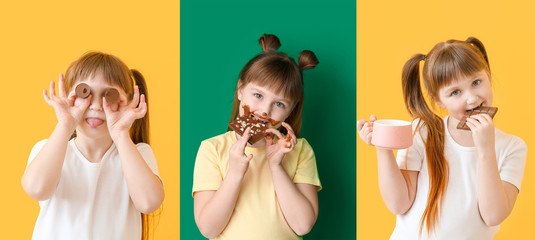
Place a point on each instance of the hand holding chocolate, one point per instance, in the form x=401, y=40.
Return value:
x=491, y=111
x=258, y=128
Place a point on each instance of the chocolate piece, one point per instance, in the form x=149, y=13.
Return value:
x=258, y=128
x=491, y=111
x=82, y=90
x=112, y=96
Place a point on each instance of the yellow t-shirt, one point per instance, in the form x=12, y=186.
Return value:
x=257, y=214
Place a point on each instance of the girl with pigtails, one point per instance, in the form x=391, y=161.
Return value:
x=451, y=183
x=268, y=189
x=96, y=177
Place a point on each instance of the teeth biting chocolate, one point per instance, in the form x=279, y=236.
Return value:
x=491, y=111
x=258, y=128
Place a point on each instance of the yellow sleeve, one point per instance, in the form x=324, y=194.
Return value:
x=207, y=174
x=307, y=171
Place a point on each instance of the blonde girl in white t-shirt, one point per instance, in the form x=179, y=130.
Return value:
x=452, y=183
x=95, y=177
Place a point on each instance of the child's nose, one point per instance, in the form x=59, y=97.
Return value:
x=96, y=103
x=472, y=98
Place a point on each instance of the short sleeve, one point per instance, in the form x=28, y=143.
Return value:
x=146, y=152
x=512, y=167
x=413, y=157
x=35, y=150
x=207, y=174
x=307, y=171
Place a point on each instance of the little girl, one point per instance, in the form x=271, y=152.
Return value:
x=451, y=183
x=267, y=190
x=101, y=181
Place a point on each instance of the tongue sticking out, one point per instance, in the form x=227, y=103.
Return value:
x=94, y=122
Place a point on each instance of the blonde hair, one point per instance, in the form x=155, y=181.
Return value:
x=445, y=63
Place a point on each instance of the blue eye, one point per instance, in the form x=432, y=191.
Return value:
x=279, y=104
x=455, y=93
x=257, y=95
x=476, y=82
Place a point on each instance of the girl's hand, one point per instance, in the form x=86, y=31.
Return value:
x=365, y=129
x=238, y=160
x=67, y=111
x=275, y=151
x=482, y=129
x=121, y=119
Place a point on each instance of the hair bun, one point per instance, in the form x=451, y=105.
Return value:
x=307, y=60
x=269, y=42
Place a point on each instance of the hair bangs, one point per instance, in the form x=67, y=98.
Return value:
x=277, y=75
x=451, y=62
x=113, y=71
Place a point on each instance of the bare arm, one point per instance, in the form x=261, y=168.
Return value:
x=298, y=201
x=213, y=209
x=397, y=187
x=42, y=175
x=496, y=198
x=145, y=188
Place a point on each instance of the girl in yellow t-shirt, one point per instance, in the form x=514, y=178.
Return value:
x=268, y=189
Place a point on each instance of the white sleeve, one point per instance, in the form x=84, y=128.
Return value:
x=146, y=152
x=412, y=157
x=512, y=166
x=35, y=150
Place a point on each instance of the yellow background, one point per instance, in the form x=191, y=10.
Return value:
x=389, y=33
x=38, y=40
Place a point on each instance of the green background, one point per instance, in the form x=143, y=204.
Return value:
x=218, y=38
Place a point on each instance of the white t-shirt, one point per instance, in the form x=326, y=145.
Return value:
x=91, y=200
x=459, y=215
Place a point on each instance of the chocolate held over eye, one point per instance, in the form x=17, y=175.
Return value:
x=112, y=96
x=82, y=90
x=491, y=111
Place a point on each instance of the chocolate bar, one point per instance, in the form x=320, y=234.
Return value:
x=491, y=111
x=112, y=96
x=82, y=90
x=258, y=128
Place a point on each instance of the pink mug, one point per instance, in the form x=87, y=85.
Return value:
x=392, y=134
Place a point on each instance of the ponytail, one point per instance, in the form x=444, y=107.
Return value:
x=139, y=132
x=434, y=144
x=479, y=45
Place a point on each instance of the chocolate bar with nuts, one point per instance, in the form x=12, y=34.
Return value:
x=258, y=128
x=491, y=111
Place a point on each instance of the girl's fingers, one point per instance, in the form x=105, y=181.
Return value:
x=360, y=124
x=45, y=96
x=142, y=101
x=373, y=118
x=269, y=140
x=135, y=98
x=245, y=137
x=106, y=106
x=287, y=126
x=52, y=89
x=276, y=132
x=61, y=88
